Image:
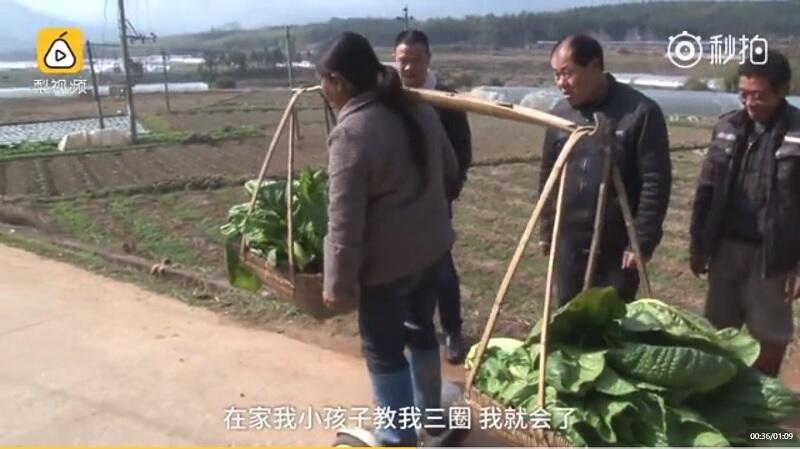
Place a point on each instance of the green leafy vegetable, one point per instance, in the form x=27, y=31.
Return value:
x=238, y=275
x=266, y=229
x=641, y=374
x=683, y=369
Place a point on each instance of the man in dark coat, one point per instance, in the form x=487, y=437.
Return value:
x=638, y=136
x=413, y=58
x=745, y=229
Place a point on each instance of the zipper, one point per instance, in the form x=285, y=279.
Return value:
x=768, y=235
x=765, y=243
x=728, y=184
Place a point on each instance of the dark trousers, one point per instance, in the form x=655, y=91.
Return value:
x=449, y=296
x=573, y=256
x=397, y=314
x=738, y=295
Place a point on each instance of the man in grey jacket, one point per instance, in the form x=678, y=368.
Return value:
x=638, y=136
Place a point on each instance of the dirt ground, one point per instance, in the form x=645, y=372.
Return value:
x=99, y=362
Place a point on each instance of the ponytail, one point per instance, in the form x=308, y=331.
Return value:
x=391, y=94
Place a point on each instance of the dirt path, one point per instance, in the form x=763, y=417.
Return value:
x=91, y=361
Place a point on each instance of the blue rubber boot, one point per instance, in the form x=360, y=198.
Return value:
x=426, y=375
x=394, y=391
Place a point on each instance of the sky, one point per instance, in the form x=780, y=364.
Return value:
x=181, y=16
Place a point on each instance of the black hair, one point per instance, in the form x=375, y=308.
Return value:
x=410, y=37
x=582, y=48
x=352, y=56
x=776, y=69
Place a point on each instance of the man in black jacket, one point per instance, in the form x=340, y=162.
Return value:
x=745, y=229
x=638, y=136
x=413, y=57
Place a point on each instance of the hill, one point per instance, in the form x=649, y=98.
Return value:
x=634, y=21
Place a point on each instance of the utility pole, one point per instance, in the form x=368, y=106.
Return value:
x=289, y=57
x=166, y=79
x=405, y=18
x=94, y=85
x=123, y=37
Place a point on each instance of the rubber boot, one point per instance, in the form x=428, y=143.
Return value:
x=394, y=391
x=770, y=358
x=455, y=348
x=426, y=374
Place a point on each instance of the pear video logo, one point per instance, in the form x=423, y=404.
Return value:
x=60, y=51
x=59, y=56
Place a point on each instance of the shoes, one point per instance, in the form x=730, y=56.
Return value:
x=455, y=352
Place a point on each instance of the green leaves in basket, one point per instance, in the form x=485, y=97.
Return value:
x=593, y=312
x=266, y=228
x=238, y=274
x=641, y=374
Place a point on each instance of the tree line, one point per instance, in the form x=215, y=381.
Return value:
x=634, y=21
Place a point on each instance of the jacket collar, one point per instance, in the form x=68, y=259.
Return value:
x=356, y=103
x=742, y=122
x=611, y=87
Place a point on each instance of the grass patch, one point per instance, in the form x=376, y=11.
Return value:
x=224, y=133
x=150, y=235
x=234, y=132
x=27, y=147
x=47, y=148
x=73, y=218
x=155, y=123
x=163, y=137
x=199, y=218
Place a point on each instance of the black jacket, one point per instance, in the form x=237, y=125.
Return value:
x=457, y=127
x=782, y=218
x=641, y=148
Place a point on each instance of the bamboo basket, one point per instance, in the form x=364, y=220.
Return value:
x=303, y=290
x=477, y=400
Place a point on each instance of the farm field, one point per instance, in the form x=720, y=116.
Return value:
x=72, y=173
x=167, y=200
x=183, y=226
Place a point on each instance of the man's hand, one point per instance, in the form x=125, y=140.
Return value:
x=629, y=261
x=793, y=287
x=698, y=264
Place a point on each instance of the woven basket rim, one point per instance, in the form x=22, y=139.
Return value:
x=476, y=400
x=305, y=293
